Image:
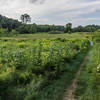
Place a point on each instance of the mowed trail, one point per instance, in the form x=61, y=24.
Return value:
x=69, y=94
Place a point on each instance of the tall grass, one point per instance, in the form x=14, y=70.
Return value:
x=28, y=66
x=89, y=80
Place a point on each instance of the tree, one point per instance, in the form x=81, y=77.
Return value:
x=23, y=29
x=27, y=28
x=68, y=28
x=8, y=23
x=14, y=33
x=33, y=28
x=25, y=18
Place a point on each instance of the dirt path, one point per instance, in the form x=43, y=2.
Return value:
x=69, y=94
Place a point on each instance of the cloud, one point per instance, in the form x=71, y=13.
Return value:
x=33, y=1
x=37, y=1
x=52, y=11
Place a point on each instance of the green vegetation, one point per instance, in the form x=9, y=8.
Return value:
x=38, y=62
x=8, y=23
x=56, y=89
x=89, y=80
x=46, y=35
x=28, y=67
x=25, y=28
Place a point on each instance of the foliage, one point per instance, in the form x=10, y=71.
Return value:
x=27, y=66
x=68, y=28
x=27, y=28
x=96, y=36
x=25, y=18
x=88, y=28
x=89, y=81
x=13, y=33
x=55, y=32
x=3, y=32
x=23, y=28
x=8, y=23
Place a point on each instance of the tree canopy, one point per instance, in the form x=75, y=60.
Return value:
x=9, y=23
x=23, y=27
x=25, y=18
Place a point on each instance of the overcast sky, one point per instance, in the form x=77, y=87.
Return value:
x=79, y=12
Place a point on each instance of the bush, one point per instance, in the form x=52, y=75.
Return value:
x=13, y=32
x=24, y=65
x=3, y=32
x=55, y=32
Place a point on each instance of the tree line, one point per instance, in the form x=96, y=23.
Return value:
x=8, y=25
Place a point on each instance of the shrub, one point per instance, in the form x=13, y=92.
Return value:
x=13, y=33
x=3, y=32
x=55, y=32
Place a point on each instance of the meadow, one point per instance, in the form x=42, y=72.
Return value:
x=32, y=68
x=48, y=61
x=47, y=36
x=89, y=80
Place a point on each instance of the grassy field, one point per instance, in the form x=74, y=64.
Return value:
x=47, y=36
x=33, y=68
x=89, y=80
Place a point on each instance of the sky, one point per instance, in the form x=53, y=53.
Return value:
x=58, y=12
